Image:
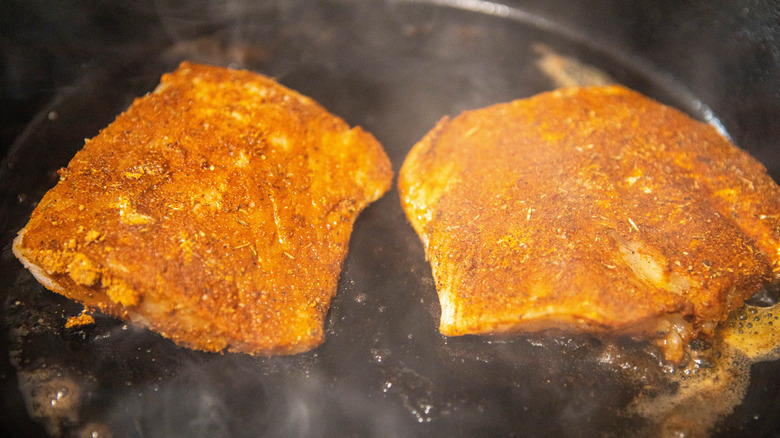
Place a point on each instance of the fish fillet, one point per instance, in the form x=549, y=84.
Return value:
x=590, y=210
x=216, y=210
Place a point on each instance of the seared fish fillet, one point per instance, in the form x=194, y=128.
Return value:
x=216, y=210
x=592, y=210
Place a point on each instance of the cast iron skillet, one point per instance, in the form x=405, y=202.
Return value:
x=394, y=68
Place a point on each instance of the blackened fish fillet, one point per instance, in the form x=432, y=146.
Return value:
x=217, y=211
x=590, y=209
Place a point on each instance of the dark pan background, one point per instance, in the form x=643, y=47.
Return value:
x=67, y=68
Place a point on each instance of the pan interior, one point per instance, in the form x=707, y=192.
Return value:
x=394, y=68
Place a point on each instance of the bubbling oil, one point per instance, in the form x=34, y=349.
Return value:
x=716, y=378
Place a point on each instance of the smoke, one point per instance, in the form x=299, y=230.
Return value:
x=384, y=371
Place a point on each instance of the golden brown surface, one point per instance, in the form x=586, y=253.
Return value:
x=590, y=209
x=216, y=210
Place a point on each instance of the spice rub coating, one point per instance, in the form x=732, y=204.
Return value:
x=590, y=209
x=216, y=210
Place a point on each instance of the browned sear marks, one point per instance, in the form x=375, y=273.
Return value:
x=216, y=210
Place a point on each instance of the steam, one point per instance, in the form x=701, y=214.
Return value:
x=396, y=68
x=692, y=104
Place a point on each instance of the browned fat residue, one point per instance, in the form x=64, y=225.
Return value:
x=565, y=71
x=80, y=320
x=715, y=380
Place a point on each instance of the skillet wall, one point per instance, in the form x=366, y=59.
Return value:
x=726, y=52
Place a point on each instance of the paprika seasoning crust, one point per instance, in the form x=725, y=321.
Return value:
x=590, y=210
x=216, y=211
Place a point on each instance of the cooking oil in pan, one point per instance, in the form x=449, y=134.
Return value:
x=717, y=376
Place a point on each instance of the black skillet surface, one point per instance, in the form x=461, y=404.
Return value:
x=394, y=68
